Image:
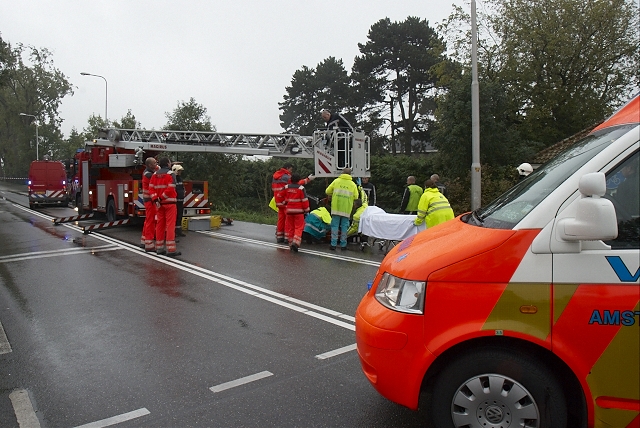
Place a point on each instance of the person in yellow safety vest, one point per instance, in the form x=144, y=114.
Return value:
x=361, y=193
x=359, y=208
x=433, y=206
x=342, y=192
x=410, y=197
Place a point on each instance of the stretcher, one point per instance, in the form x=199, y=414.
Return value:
x=386, y=230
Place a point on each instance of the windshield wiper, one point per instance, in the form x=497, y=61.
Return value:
x=473, y=218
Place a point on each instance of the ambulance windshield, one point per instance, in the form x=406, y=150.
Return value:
x=511, y=207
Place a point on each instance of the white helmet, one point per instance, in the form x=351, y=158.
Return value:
x=525, y=169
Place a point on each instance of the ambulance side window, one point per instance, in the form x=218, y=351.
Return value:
x=623, y=189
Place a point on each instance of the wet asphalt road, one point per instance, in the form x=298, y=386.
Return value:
x=237, y=332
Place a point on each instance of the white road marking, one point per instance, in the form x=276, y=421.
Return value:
x=241, y=381
x=245, y=287
x=5, y=347
x=283, y=246
x=116, y=419
x=335, y=352
x=56, y=253
x=319, y=312
x=23, y=409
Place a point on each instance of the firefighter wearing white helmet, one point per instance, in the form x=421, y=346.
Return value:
x=524, y=169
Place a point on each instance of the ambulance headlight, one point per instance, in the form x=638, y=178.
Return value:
x=401, y=295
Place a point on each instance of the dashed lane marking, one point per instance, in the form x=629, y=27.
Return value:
x=241, y=381
x=116, y=419
x=5, y=347
x=335, y=352
x=23, y=409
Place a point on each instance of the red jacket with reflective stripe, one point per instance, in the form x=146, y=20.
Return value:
x=295, y=199
x=162, y=187
x=146, y=178
x=281, y=178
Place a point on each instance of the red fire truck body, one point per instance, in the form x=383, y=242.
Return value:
x=108, y=180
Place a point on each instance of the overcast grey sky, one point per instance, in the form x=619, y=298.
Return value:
x=234, y=57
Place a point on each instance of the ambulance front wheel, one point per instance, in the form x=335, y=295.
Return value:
x=495, y=387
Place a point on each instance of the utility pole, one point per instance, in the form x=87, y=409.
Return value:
x=476, y=193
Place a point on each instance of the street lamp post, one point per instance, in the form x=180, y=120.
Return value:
x=37, y=139
x=106, y=93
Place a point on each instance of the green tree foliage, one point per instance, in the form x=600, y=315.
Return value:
x=500, y=142
x=189, y=116
x=71, y=144
x=128, y=121
x=94, y=125
x=398, y=61
x=547, y=69
x=220, y=170
x=569, y=62
x=564, y=64
x=326, y=86
x=30, y=84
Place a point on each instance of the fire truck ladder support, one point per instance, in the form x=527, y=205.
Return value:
x=70, y=219
x=88, y=229
x=279, y=145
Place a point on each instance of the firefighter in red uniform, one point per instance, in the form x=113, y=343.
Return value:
x=281, y=178
x=149, y=228
x=296, y=206
x=162, y=189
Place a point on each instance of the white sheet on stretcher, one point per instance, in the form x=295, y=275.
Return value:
x=375, y=222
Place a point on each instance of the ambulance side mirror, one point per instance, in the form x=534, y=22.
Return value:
x=595, y=216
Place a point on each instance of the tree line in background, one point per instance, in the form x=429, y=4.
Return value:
x=547, y=69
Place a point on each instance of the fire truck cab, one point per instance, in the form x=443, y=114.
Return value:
x=525, y=312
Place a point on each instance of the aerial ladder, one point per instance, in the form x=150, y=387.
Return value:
x=331, y=151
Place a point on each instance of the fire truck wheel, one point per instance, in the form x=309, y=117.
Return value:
x=495, y=387
x=111, y=210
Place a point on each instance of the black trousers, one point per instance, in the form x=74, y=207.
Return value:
x=179, y=205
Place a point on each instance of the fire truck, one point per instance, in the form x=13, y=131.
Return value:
x=106, y=175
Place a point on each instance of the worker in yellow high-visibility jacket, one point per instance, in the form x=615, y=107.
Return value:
x=433, y=206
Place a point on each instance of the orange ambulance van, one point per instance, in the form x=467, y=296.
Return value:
x=47, y=184
x=525, y=312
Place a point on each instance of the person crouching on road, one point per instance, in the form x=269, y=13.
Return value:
x=149, y=227
x=162, y=188
x=433, y=206
x=317, y=224
x=296, y=205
